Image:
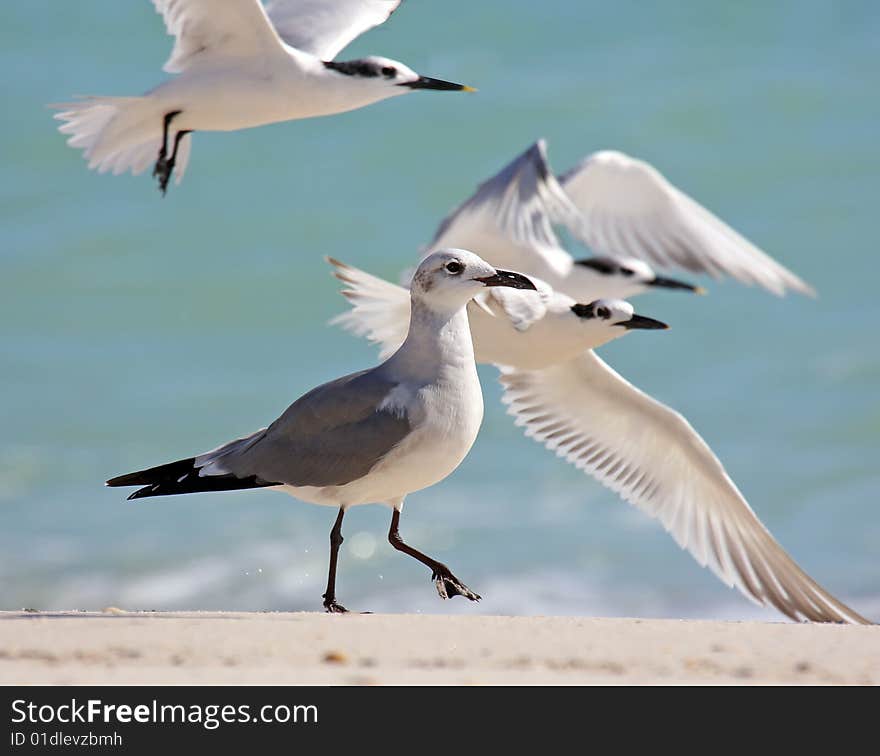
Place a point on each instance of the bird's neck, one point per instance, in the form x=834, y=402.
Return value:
x=438, y=343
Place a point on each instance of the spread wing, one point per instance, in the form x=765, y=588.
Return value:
x=651, y=456
x=207, y=30
x=509, y=220
x=324, y=27
x=628, y=209
x=379, y=309
x=522, y=307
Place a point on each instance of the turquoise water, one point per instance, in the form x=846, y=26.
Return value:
x=137, y=330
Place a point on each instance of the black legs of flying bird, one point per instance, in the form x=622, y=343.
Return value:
x=336, y=540
x=164, y=164
x=447, y=584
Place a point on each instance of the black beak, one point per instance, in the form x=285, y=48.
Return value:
x=671, y=283
x=639, y=321
x=507, y=278
x=426, y=82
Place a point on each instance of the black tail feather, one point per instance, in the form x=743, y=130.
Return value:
x=161, y=474
x=182, y=477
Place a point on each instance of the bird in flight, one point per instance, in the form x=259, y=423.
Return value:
x=623, y=209
x=240, y=64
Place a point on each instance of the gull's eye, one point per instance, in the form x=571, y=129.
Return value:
x=389, y=71
x=604, y=313
x=626, y=271
x=454, y=267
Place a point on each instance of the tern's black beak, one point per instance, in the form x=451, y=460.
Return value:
x=507, y=278
x=639, y=321
x=671, y=283
x=426, y=82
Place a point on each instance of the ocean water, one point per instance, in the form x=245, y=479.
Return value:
x=136, y=330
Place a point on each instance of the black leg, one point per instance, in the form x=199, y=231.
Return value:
x=336, y=540
x=177, y=137
x=163, y=168
x=447, y=584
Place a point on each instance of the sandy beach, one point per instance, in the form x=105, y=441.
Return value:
x=120, y=647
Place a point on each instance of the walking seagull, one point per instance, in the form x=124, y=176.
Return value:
x=629, y=215
x=569, y=400
x=373, y=436
x=240, y=64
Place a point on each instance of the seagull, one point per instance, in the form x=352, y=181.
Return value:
x=623, y=209
x=240, y=64
x=369, y=437
x=568, y=399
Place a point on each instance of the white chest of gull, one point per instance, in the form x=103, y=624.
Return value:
x=240, y=64
x=373, y=436
x=631, y=217
x=568, y=399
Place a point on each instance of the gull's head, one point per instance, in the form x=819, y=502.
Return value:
x=607, y=319
x=450, y=278
x=627, y=276
x=384, y=77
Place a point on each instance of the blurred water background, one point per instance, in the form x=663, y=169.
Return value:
x=137, y=330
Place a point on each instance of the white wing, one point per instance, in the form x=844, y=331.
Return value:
x=653, y=458
x=324, y=27
x=509, y=220
x=379, y=309
x=523, y=308
x=207, y=30
x=630, y=210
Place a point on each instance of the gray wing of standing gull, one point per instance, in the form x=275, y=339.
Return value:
x=333, y=435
